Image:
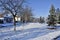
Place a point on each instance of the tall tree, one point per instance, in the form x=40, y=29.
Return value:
x=12, y=6
x=52, y=10
x=27, y=14
x=52, y=16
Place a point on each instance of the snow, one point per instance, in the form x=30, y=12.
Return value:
x=29, y=31
x=49, y=36
x=32, y=25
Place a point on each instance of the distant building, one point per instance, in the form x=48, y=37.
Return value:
x=18, y=18
x=5, y=18
x=8, y=18
x=1, y=15
x=1, y=18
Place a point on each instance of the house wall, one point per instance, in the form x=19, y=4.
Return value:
x=17, y=18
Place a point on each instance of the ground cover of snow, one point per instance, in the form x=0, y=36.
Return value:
x=29, y=31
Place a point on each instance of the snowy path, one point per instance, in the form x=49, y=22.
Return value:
x=31, y=31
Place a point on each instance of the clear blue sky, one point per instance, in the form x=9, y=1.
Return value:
x=41, y=7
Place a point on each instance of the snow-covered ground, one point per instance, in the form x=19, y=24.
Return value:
x=29, y=31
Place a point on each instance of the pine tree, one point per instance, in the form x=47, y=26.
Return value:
x=52, y=20
x=41, y=20
x=52, y=17
x=59, y=19
x=52, y=10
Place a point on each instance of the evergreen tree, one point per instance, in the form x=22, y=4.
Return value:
x=59, y=19
x=52, y=17
x=41, y=20
x=51, y=20
x=52, y=10
x=58, y=15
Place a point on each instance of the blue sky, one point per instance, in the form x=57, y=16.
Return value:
x=41, y=7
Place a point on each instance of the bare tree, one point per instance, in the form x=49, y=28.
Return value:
x=27, y=14
x=12, y=6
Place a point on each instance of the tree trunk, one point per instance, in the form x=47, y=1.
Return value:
x=14, y=24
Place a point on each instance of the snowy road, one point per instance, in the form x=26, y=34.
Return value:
x=30, y=31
